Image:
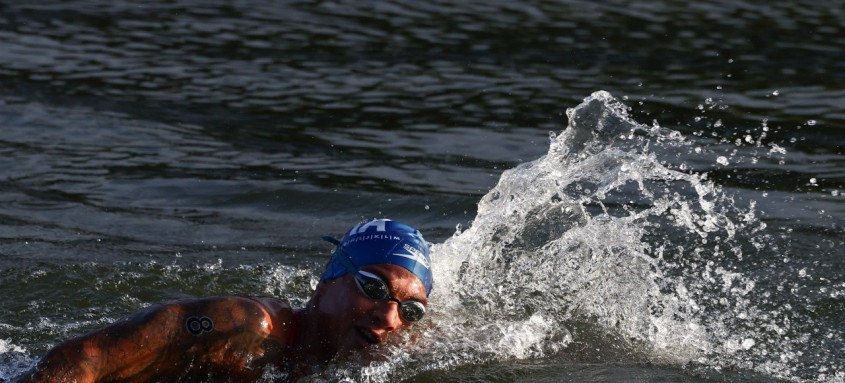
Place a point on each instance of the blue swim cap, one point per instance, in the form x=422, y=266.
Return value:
x=377, y=242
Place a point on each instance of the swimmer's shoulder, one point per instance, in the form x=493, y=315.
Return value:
x=228, y=313
x=280, y=315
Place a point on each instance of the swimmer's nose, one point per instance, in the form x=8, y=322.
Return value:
x=386, y=316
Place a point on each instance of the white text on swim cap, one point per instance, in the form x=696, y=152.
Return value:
x=414, y=255
x=379, y=224
x=371, y=237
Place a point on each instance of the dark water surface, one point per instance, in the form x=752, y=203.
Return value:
x=185, y=148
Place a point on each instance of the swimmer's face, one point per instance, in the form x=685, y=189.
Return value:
x=349, y=320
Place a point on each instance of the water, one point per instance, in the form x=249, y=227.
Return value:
x=190, y=149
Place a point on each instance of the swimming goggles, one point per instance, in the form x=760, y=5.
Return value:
x=375, y=288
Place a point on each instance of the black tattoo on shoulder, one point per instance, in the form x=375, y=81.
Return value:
x=197, y=326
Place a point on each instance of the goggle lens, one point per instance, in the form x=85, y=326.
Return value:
x=374, y=288
x=412, y=311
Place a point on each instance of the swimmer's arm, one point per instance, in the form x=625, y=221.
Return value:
x=91, y=357
x=156, y=339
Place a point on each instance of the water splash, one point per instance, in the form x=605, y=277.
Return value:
x=14, y=359
x=602, y=241
x=562, y=238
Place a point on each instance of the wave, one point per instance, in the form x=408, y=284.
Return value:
x=603, y=242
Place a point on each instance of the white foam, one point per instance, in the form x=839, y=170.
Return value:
x=14, y=360
x=7, y=346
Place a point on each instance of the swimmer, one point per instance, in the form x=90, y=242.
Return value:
x=376, y=283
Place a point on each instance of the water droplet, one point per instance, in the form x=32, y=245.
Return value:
x=776, y=93
x=813, y=181
x=427, y=207
x=749, y=139
x=777, y=149
x=834, y=192
x=811, y=122
x=717, y=124
x=748, y=343
x=730, y=61
x=552, y=135
x=722, y=160
x=802, y=273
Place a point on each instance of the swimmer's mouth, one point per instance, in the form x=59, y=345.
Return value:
x=368, y=335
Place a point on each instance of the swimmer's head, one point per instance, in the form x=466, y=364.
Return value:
x=380, y=241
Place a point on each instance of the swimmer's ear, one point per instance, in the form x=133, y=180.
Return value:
x=323, y=286
x=320, y=289
x=318, y=294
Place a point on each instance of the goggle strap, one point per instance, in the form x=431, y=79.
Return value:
x=329, y=238
x=341, y=256
x=371, y=275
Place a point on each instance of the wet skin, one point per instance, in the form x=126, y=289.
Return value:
x=233, y=339
x=347, y=320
